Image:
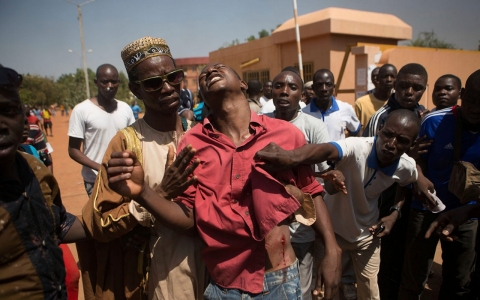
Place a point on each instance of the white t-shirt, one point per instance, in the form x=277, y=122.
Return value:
x=264, y=100
x=338, y=117
x=315, y=132
x=97, y=127
x=268, y=107
x=354, y=213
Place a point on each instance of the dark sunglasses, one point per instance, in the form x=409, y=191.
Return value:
x=155, y=83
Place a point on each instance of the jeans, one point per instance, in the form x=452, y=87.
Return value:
x=458, y=258
x=283, y=284
x=304, y=254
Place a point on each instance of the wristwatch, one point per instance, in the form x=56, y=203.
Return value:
x=398, y=209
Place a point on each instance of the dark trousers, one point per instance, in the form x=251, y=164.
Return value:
x=475, y=284
x=393, y=246
x=458, y=259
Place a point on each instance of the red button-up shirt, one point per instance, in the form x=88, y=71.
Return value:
x=236, y=203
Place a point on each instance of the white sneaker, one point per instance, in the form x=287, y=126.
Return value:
x=349, y=291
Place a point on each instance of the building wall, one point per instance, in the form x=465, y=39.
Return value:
x=264, y=49
x=324, y=51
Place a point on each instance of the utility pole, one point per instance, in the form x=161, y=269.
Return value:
x=297, y=33
x=82, y=40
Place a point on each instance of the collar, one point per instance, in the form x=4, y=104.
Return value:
x=372, y=162
x=334, y=107
x=256, y=124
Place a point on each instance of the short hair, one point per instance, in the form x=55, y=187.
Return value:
x=105, y=66
x=457, y=80
x=386, y=66
x=293, y=70
x=324, y=71
x=473, y=82
x=406, y=116
x=254, y=87
x=415, y=69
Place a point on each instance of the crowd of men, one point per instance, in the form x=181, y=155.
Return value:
x=281, y=191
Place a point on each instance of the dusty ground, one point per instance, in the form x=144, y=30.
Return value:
x=74, y=196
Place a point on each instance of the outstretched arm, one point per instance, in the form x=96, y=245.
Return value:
x=448, y=221
x=277, y=158
x=126, y=177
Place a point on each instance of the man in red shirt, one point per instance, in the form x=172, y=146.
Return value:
x=240, y=211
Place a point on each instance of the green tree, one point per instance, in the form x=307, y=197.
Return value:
x=250, y=38
x=429, y=39
x=263, y=33
x=39, y=90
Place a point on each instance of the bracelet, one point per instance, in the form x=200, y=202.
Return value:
x=398, y=209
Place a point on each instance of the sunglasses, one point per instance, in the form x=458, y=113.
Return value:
x=155, y=83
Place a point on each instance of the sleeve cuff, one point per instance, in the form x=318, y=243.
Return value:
x=339, y=149
x=356, y=131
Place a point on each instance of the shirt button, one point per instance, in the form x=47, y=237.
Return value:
x=43, y=243
x=235, y=201
x=59, y=287
x=237, y=176
x=247, y=213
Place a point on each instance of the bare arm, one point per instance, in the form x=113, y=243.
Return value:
x=75, y=152
x=277, y=158
x=389, y=221
x=330, y=270
x=423, y=186
x=448, y=221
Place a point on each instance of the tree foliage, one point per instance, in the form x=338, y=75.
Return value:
x=429, y=39
x=68, y=89
x=263, y=33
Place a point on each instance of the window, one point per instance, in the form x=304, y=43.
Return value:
x=308, y=71
x=262, y=75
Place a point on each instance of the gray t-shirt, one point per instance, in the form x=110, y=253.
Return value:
x=315, y=131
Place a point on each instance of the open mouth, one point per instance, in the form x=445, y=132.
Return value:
x=213, y=78
x=283, y=103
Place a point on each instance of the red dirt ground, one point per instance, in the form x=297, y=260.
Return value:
x=67, y=173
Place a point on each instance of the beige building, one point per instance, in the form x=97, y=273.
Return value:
x=348, y=42
x=192, y=66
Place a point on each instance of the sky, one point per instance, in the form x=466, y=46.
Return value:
x=36, y=35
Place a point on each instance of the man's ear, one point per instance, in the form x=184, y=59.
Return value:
x=135, y=89
x=243, y=85
x=462, y=92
